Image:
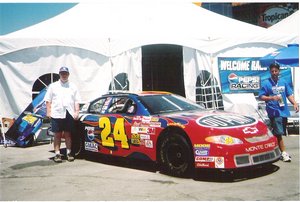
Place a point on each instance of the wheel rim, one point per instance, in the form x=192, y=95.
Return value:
x=176, y=156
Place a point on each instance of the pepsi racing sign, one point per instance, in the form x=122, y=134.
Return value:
x=244, y=74
x=243, y=82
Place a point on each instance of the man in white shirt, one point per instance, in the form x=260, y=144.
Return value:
x=62, y=101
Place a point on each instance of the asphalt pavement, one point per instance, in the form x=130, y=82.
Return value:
x=30, y=174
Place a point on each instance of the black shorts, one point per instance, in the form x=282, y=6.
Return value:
x=59, y=125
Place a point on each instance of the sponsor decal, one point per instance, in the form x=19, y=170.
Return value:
x=201, y=149
x=135, y=139
x=176, y=124
x=142, y=130
x=141, y=121
x=219, y=162
x=155, y=124
x=204, y=159
x=149, y=143
x=137, y=118
x=202, y=152
x=251, y=130
x=91, y=146
x=90, y=132
x=202, y=145
x=243, y=82
x=260, y=147
x=202, y=165
x=145, y=137
x=225, y=120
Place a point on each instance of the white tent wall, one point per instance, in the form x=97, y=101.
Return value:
x=129, y=62
x=91, y=72
x=193, y=62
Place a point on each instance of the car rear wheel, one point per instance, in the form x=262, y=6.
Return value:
x=77, y=146
x=28, y=141
x=77, y=141
x=175, y=155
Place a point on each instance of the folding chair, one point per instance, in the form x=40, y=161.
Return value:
x=2, y=132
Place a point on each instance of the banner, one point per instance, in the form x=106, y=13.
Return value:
x=245, y=74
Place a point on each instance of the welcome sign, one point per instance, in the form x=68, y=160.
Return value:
x=245, y=74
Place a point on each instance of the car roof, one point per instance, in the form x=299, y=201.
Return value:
x=140, y=93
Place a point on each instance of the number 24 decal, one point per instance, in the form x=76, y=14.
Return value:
x=118, y=132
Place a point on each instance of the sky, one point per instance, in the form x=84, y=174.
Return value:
x=15, y=16
x=19, y=15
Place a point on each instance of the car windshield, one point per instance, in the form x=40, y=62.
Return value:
x=158, y=104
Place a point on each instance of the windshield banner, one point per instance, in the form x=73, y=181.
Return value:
x=245, y=74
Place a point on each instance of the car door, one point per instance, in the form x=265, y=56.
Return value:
x=107, y=126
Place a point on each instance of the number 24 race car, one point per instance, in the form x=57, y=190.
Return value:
x=174, y=132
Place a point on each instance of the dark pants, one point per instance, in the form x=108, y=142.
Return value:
x=66, y=124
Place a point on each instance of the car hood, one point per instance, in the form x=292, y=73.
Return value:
x=220, y=122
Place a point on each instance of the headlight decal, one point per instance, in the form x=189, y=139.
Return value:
x=258, y=138
x=223, y=139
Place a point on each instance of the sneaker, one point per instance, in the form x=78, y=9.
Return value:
x=285, y=157
x=70, y=157
x=57, y=158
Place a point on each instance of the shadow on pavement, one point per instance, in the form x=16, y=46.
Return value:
x=235, y=175
x=211, y=175
x=138, y=164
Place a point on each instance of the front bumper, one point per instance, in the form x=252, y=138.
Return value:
x=244, y=160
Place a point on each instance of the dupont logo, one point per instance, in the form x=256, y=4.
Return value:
x=226, y=121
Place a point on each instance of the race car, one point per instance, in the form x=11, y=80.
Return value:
x=174, y=132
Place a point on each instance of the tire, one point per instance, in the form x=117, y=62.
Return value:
x=30, y=139
x=27, y=142
x=77, y=146
x=175, y=155
x=77, y=141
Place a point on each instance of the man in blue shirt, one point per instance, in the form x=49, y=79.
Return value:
x=274, y=92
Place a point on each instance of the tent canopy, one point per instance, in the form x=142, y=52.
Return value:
x=288, y=25
x=104, y=39
x=112, y=27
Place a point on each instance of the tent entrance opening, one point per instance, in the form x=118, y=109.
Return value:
x=163, y=68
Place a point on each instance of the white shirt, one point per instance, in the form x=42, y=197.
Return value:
x=63, y=97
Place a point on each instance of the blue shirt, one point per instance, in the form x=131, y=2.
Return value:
x=271, y=88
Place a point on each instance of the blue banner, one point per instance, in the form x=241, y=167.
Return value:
x=245, y=74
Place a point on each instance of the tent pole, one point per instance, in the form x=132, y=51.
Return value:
x=113, y=87
x=212, y=82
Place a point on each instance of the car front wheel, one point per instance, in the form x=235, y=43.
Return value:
x=175, y=155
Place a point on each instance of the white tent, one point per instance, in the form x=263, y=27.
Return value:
x=291, y=25
x=101, y=40
x=288, y=25
x=112, y=27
